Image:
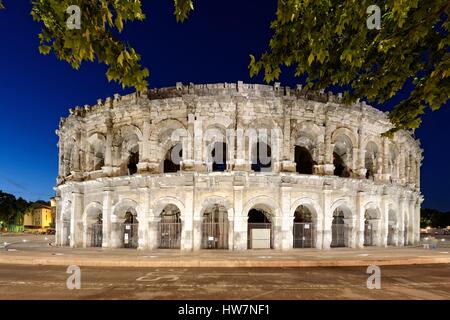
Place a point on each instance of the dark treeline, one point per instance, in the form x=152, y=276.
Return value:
x=434, y=218
x=13, y=209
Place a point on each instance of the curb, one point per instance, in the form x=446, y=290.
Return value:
x=197, y=263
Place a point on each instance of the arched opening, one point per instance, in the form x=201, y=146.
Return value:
x=392, y=228
x=370, y=161
x=219, y=157
x=93, y=225
x=339, y=232
x=173, y=158
x=261, y=157
x=130, y=229
x=259, y=229
x=340, y=168
x=215, y=228
x=96, y=155
x=393, y=165
x=170, y=228
x=304, y=228
x=133, y=160
x=303, y=160
x=342, y=156
x=97, y=231
x=370, y=227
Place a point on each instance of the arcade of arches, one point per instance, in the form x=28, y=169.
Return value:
x=235, y=167
x=261, y=226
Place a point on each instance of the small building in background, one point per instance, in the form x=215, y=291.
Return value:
x=53, y=207
x=40, y=217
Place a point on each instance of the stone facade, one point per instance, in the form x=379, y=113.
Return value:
x=326, y=158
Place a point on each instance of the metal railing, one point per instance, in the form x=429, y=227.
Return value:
x=337, y=235
x=169, y=235
x=130, y=235
x=214, y=235
x=368, y=235
x=304, y=235
x=96, y=234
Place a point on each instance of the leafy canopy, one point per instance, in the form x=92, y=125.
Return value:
x=102, y=21
x=331, y=43
x=328, y=40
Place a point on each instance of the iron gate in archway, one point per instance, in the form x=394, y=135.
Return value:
x=304, y=235
x=337, y=234
x=368, y=233
x=96, y=234
x=130, y=235
x=214, y=235
x=169, y=235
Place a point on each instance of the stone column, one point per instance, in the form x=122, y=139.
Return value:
x=328, y=166
x=144, y=146
x=107, y=169
x=76, y=226
x=384, y=221
x=386, y=172
x=324, y=228
x=116, y=240
x=199, y=162
x=240, y=220
x=61, y=173
x=58, y=222
x=143, y=218
x=107, y=213
x=411, y=221
x=359, y=220
x=401, y=222
x=187, y=232
x=197, y=228
x=418, y=165
x=287, y=220
x=230, y=215
x=417, y=223
x=153, y=221
x=288, y=164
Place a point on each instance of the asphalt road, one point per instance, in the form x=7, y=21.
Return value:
x=397, y=282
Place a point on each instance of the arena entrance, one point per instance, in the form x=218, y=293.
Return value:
x=215, y=228
x=260, y=232
x=392, y=229
x=338, y=232
x=169, y=228
x=304, y=231
x=370, y=220
x=130, y=230
x=97, y=232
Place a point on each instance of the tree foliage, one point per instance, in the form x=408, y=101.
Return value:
x=434, y=218
x=331, y=43
x=328, y=40
x=102, y=21
x=12, y=210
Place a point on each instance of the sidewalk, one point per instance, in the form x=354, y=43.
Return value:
x=43, y=254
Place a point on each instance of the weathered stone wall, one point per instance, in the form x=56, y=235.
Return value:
x=382, y=175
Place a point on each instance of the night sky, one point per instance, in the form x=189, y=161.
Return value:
x=212, y=46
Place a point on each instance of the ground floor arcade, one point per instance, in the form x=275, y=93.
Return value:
x=248, y=219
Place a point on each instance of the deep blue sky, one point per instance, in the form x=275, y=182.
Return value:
x=212, y=46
